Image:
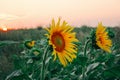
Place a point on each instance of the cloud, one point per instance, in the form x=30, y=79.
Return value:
x=8, y=17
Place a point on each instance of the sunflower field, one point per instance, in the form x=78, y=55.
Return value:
x=60, y=52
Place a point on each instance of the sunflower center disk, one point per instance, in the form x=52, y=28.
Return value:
x=101, y=40
x=58, y=41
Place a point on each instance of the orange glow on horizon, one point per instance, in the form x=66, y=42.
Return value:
x=5, y=29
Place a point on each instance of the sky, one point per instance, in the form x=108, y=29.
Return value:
x=32, y=13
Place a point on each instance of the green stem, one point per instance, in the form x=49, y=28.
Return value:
x=43, y=64
x=85, y=55
x=85, y=47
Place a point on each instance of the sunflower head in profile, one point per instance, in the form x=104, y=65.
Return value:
x=102, y=38
x=61, y=38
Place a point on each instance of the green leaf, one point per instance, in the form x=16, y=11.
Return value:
x=36, y=74
x=110, y=60
x=47, y=60
x=18, y=62
x=112, y=72
x=92, y=67
x=81, y=60
x=29, y=61
x=20, y=77
x=17, y=75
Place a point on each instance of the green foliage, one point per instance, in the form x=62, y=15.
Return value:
x=22, y=34
x=96, y=65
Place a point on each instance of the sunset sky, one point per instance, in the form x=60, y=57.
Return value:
x=31, y=13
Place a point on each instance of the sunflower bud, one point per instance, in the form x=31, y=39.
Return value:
x=35, y=54
x=29, y=44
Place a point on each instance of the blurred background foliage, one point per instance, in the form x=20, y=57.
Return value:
x=110, y=63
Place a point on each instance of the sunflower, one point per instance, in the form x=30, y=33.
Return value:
x=102, y=38
x=61, y=38
x=35, y=52
x=29, y=44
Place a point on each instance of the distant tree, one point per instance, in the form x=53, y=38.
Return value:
x=39, y=27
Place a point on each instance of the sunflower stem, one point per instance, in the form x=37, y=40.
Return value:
x=85, y=47
x=42, y=76
x=85, y=55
